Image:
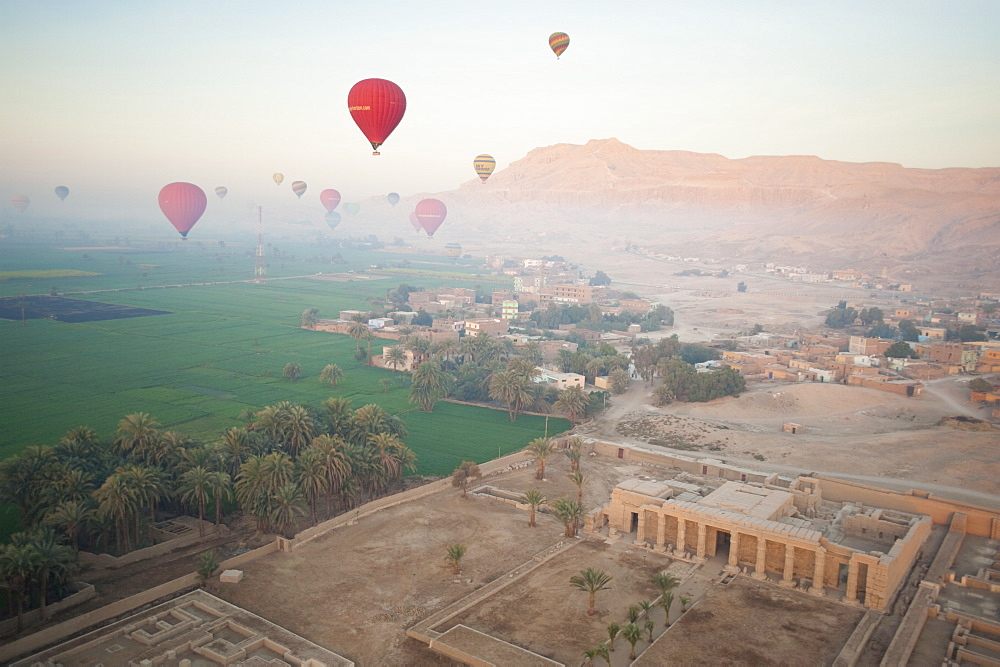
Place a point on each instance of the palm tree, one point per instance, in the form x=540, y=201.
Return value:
x=468, y=470
x=208, y=563
x=222, y=490
x=252, y=493
x=573, y=402
x=370, y=420
x=579, y=479
x=117, y=501
x=613, y=630
x=338, y=413
x=603, y=651
x=335, y=465
x=429, y=383
x=357, y=330
x=51, y=558
x=287, y=504
x=72, y=516
x=632, y=635
x=419, y=347
x=619, y=381
x=148, y=487
x=296, y=427
x=394, y=356
x=665, y=583
x=292, y=371
x=331, y=373
x=312, y=478
x=234, y=447
x=511, y=389
x=650, y=626
x=533, y=499
x=589, y=655
x=645, y=606
x=195, y=487
x=569, y=512
x=540, y=448
x=454, y=556
x=18, y=562
x=136, y=431
x=591, y=581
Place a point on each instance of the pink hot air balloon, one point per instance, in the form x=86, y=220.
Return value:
x=329, y=198
x=430, y=214
x=183, y=204
x=415, y=222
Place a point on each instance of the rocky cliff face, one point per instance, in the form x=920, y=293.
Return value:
x=761, y=207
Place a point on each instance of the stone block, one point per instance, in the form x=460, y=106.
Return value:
x=231, y=576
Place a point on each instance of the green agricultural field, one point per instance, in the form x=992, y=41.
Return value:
x=221, y=350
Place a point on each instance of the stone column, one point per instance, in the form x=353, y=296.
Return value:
x=758, y=570
x=851, y=595
x=786, y=577
x=819, y=571
x=702, y=539
x=661, y=532
x=640, y=531
x=681, y=528
x=734, y=553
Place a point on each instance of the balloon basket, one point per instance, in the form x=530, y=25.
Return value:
x=375, y=153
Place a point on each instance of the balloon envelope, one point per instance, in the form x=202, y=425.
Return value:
x=393, y=198
x=558, y=42
x=484, y=164
x=333, y=219
x=415, y=222
x=430, y=214
x=299, y=188
x=377, y=106
x=183, y=204
x=329, y=198
x=352, y=208
x=62, y=192
x=221, y=192
x=278, y=178
x=453, y=250
x=20, y=202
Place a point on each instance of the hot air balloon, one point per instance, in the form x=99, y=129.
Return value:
x=393, y=198
x=299, y=188
x=484, y=164
x=430, y=214
x=558, y=42
x=221, y=192
x=329, y=198
x=20, y=202
x=352, y=208
x=62, y=192
x=333, y=219
x=278, y=178
x=377, y=106
x=183, y=204
x=415, y=222
x=452, y=250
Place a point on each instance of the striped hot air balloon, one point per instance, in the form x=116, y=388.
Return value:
x=20, y=202
x=452, y=250
x=299, y=188
x=484, y=165
x=558, y=42
x=333, y=219
x=220, y=192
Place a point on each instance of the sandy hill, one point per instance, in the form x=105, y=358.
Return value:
x=826, y=213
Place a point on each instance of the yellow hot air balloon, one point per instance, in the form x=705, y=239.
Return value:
x=278, y=178
x=484, y=164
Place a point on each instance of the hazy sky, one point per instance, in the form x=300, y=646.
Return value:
x=116, y=99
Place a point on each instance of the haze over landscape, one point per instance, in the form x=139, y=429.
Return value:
x=709, y=363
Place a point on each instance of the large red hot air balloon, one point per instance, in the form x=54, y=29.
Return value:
x=377, y=106
x=329, y=198
x=183, y=204
x=430, y=213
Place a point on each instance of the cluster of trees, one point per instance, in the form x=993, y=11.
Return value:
x=105, y=494
x=481, y=369
x=590, y=317
x=666, y=359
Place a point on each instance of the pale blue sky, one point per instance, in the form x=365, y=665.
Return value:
x=116, y=99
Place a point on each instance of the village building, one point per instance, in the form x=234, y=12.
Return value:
x=572, y=294
x=559, y=379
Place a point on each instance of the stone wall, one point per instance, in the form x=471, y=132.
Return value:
x=112, y=562
x=84, y=592
x=872, y=527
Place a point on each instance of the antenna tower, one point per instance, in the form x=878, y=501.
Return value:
x=259, y=269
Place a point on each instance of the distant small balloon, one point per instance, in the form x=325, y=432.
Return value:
x=62, y=192
x=431, y=213
x=221, y=192
x=20, y=202
x=484, y=166
x=330, y=198
x=299, y=188
x=393, y=198
x=453, y=250
x=415, y=222
x=558, y=42
x=278, y=178
x=333, y=219
x=352, y=208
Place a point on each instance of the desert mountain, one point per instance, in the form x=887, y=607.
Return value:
x=793, y=208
